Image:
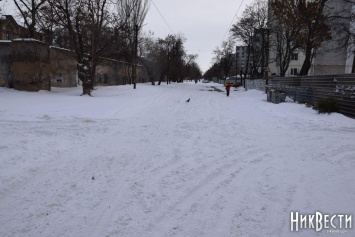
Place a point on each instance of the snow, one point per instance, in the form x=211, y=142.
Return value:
x=27, y=39
x=146, y=163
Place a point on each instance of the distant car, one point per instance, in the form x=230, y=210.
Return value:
x=233, y=82
x=205, y=81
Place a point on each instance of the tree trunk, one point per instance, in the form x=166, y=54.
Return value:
x=161, y=78
x=353, y=67
x=310, y=46
x=305, y=68
x=242, y=79
x=284, y=66
x=86, y=87
x=282, y=72
x=86, y=75
x=134, y=68
x=307, y=62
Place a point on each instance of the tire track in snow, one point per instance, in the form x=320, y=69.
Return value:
x=150, y=169
x=222, y=177
x=110, y=207
x=182, y=201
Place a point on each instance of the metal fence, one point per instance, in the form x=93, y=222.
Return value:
x=312, y=89
x=257, y=84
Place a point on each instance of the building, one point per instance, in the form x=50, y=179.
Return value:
x=294, y=68
x=242, y=59
x=252, y=60
x=330, y=58
x=10, y=30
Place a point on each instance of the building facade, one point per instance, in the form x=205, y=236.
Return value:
x=10, y=30
x=242, y=53
x=330, y=58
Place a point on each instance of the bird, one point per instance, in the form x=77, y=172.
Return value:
x=188, y=100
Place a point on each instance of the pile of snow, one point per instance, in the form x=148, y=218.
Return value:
x=146, y=163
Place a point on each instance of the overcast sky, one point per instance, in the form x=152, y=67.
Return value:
x=204, y=23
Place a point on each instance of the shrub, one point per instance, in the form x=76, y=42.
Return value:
x=328, y=105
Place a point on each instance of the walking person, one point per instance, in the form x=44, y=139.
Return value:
x=228, y=87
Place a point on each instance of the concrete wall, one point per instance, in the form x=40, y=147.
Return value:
x=107, y=73
x=5, y=64
x=36, y=66
x=64, y=71
x=30, y=65
x=111, y=72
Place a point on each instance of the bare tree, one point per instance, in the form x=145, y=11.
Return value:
x=166, y=54
x=134, y=11
x=28, y=10
x=316, y=31
x=254, y=19
x=285, y=32
x=178, y=60
x=167, y=59
x=213, y=71
x=298, y=25
x=191, y=68
x=147, y=50
x=85, y=22
x=225, y=57
x=193, y=71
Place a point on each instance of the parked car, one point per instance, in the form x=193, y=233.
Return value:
x=233, y=82
x=205, y=81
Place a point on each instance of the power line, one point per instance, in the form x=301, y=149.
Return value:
x=163, y=17
x=232, y=20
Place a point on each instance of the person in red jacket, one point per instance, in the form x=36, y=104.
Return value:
x=228, y=87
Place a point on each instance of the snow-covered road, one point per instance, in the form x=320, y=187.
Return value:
x=146, y=163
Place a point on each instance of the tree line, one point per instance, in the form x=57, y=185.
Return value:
x=284, y=28
x=96, y=29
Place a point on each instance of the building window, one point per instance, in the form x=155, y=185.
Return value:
x=294, y=71
x=8, y=35
x=294, y=56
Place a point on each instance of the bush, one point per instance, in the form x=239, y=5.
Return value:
x=328, y=105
